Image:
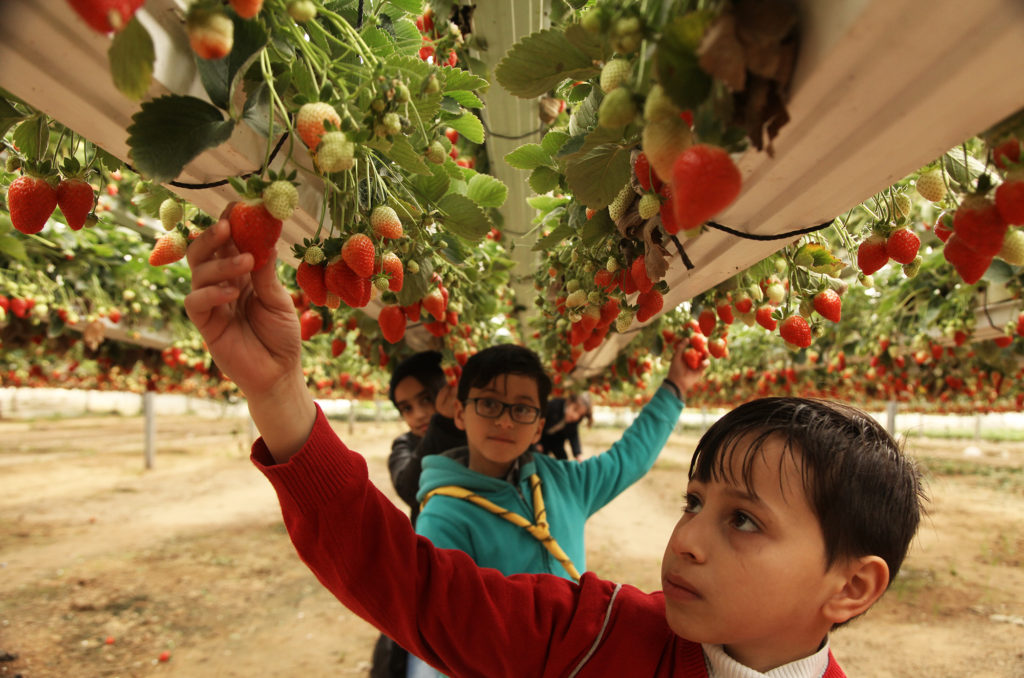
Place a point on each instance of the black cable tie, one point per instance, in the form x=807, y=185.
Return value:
x=780, y=236
x=682, y=253
x=222, y=182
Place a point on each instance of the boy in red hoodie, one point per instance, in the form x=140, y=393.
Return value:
x=797, y=515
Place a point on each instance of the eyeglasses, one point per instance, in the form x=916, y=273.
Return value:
x=490, y=408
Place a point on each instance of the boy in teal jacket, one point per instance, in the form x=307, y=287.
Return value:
x=485, y=498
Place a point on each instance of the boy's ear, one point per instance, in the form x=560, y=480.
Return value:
x=540, y=431
x=460, y=422
x=866, y=579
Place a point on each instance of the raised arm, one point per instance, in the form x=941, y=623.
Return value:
x=249, y=324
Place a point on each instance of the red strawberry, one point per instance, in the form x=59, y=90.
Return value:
x=452, y=135
x=871, y=255
x=667, y=211
x=1010, y=201
x=796, y=331
x=707, y=321
x=412, y=311
x=968, y=263
x=106, y=16
x=902, y=246
x=169, y=247
x=699, y=342
x=944, y=226
x=392, y=323
x=434, y=304
x=725, y=313
x=638, y=271
x=338, y=346
x=392, y=265
x=1007, y=153
x=693, y=358
x=254, y=230
x=311, y=279
x=247, y=9
x=342, y=281
x=704, y=182
x=310, y=323
x=645, y=175
x=427, y=50
x=828, y=304
x=743, y=302
x=30, y=201
x=76, y=200
x=1020, y=324
x=358, y=253
x=385, y=222
x=310, y=122
x=650, y=304
x=210, y=32
x=717, y=348
x=979, y=226
x=764, y=318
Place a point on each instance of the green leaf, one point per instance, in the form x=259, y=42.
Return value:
x=487, y=191
x=529, y=156
x=676, y=62
x=588, y=43
x=218, y=75
x=463, y=217
x=584, y=116
x=9, y=117
x=303, y=80
x=553, y=142
x=560, y=233
x=595, y=178
x=167, y=133
x=13, y=247
x=544, y=179
x=408, y=6
x=407, y=38
x=404, y=154
x=434, y=186
x=414, y=286
x=377, y=40
x=131, y=57
x=545, y=203
x=541, y=61
x=26, y=136
x=817, y=258
x=465, y=98
x=579, y=92
x=469, y=126
x=456, y=79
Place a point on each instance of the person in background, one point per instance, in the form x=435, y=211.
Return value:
x=562, y=425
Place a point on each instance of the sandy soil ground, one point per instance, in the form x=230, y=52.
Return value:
x=105, y=565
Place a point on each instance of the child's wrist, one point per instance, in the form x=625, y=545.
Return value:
x=284, y=416
x=674, y=387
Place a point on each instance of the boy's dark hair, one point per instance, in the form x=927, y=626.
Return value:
x=865, y=491
x=425, y=367
x=487, y=365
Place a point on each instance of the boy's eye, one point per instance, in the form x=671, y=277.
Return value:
x=691, y=503
x=744, y=523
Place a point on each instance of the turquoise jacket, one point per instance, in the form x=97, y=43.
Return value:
x=573, y=491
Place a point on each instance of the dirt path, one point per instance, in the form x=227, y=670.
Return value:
x=191, y=558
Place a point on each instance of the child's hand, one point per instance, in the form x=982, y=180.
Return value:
x=681, y=374
x=445, y=401
x=251, y=330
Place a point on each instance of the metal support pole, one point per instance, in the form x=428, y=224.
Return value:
x=149, y=415
x=891, y=417
x=351, y=416
x=977, y=427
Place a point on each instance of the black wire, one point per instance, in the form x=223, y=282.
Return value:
x=682, y=253
x=780, y=236
x=221, y=182
x=506, y=136
x=359, y=19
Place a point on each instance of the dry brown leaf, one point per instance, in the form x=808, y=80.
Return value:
x=721, y=54
x=764, y=22
x=655, y=255
x=547, y=109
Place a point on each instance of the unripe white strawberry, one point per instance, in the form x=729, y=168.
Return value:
x=625, y=319
x=614, y=74
x=211, y=33
x=385, y=222
x=302, y=10
x=171, y=213
x=617, y=109
x=1012, y=251
x=281, y=198
x=902, y=205
x=776, y=293
x=931, y=186
x=335, y=153
x=663, y=139
x=576, y=299
x=314, y=255
x=649, y=205
x=611, y=265
x=313, y=121
x=595, y=298
x=621, y=203
x=436, y=153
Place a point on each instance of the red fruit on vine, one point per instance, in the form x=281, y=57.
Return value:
x=828, y=304
x=1020, y=325
x=30, y=202
x=385, y=222
x=693, y=358
x=342, y=281
x=392, y=265
x=979, y=226
x=970, y=264
x=1007, y=153
x=427, y=50
x=764, y=318
x=1010, y=201
x=211, y=33
x=707, y=321
x=638, y=271
x=358, y=253
x=718, y=348
x=255, y=230
x=944, y=226
x=649, y=304
x=871, y=255
x=452, y=135
x=311, y=279
x=1003, y=340
x=425, y=22
x=247, y=9
x=796, y=331
x=699, y=342
x=310, y=323
x=725, y=313
x=667, y=211
x=645, y=174
x=435, y=304
x=106, y=16
x=453, y=58
x=743, y=303
x=705, y=181
x=312, y=121
x=392, y=323
x=76, y=199
x=902, y=246
x=169, y=247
